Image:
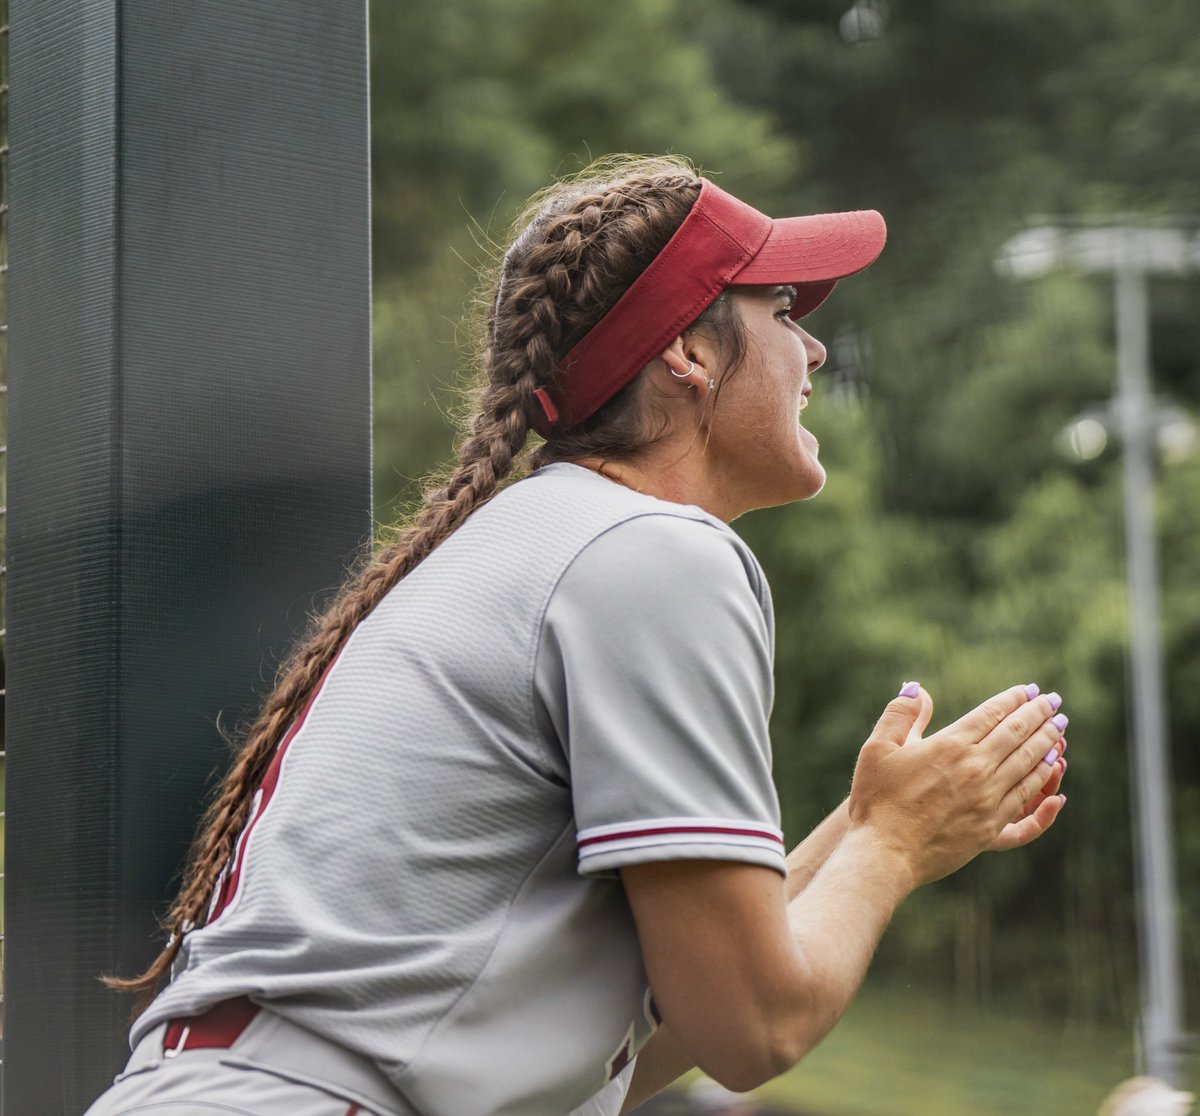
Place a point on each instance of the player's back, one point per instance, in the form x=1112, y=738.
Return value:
x=410, y=867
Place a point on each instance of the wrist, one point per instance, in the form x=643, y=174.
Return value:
x=883, y=864
x=805, y=860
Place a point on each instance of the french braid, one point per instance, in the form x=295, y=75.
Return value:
x=578, y=247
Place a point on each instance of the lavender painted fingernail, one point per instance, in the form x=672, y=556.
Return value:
x=909, y=689
x=1060, y=721
x=1063, y=761
x=1032, y=691
x=1050, y=756
x=1055, y=700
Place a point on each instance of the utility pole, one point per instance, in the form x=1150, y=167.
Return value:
x=1158, y=930
x=1130, y=255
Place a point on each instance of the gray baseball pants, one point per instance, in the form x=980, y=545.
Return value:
x=273, y=1069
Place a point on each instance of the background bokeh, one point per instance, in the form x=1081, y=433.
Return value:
x=955, y=542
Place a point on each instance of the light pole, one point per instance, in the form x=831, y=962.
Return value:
x=1130, y=254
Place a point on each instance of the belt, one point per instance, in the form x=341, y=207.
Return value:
x=272, y=1045
x=216, y=1029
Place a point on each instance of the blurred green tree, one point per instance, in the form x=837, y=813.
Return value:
x=953, y=543
x=960, y=122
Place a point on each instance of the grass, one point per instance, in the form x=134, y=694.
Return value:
x=900, y=1053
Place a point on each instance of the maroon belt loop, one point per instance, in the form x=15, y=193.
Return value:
x=216, y=1029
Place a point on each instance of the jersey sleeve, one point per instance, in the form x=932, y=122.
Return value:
x=655, y=672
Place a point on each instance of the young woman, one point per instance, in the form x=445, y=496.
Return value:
x=504, y=838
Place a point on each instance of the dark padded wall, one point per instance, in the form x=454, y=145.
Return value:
x=190, y=453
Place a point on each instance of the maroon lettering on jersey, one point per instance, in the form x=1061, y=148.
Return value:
x=230, y=879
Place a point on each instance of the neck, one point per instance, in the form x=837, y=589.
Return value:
x=679, y=479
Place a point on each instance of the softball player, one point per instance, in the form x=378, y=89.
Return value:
x=504, y=838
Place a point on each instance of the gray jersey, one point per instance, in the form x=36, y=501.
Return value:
x=577, y=680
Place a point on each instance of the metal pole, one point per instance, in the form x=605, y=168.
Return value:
x=190, y=462
x=1158, y=938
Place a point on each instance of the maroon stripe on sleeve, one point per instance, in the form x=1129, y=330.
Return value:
x=656, y=831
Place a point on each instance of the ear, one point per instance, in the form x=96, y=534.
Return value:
x=688, y=364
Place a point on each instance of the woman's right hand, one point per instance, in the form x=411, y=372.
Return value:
x=939, y=801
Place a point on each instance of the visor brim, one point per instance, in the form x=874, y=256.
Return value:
x=812, y=253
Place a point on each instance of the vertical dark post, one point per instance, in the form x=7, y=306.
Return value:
x=190, y=453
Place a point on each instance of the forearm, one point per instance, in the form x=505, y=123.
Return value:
x=662, y=1060
x=837, y=921
x=807, y=857
x=755, y=981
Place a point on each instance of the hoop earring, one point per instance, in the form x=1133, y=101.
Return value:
x=710, y=383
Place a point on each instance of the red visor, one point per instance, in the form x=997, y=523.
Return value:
x=722, y=242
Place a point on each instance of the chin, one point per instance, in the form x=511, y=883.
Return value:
x=815, y=488
x=808, y=477
x=811, y=487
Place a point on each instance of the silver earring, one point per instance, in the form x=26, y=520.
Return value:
x=684, y=375
x=712, y=384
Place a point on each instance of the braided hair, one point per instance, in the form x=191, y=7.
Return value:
x=576, y=248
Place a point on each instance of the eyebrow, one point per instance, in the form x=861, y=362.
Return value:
x=786, y=291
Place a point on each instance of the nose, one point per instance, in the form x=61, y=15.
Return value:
x=813, y=349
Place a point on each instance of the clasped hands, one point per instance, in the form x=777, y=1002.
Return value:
x=989, y=781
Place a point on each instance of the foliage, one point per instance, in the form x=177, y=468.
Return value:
x=959, y=122
x=953, y=542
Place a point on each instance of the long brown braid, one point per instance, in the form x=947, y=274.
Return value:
x=577, y=247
